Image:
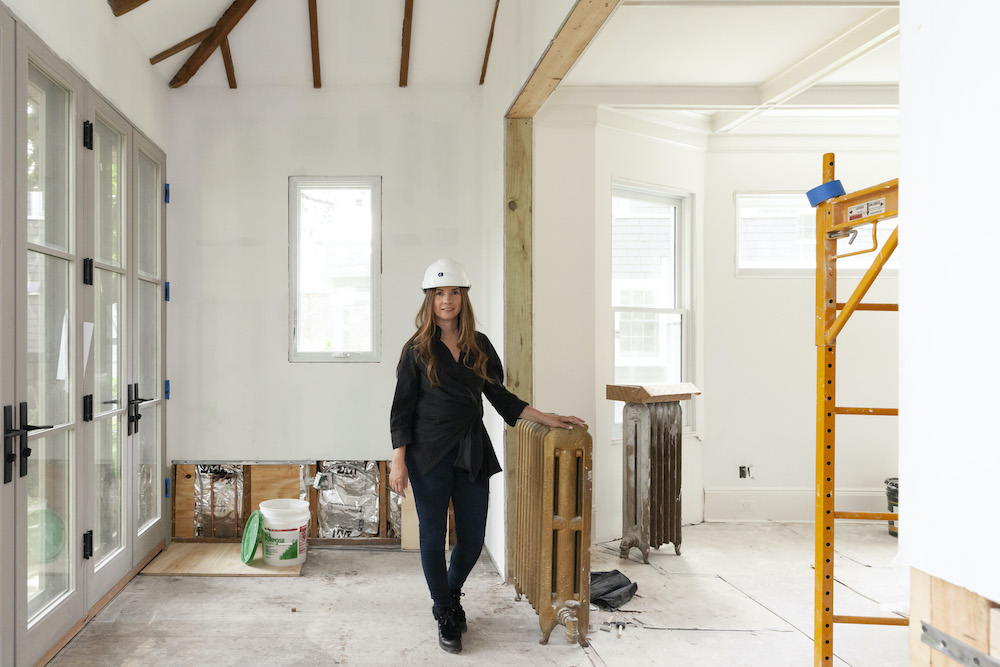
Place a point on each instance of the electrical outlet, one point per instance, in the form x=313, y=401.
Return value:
x=746, y=472
x=744, y=505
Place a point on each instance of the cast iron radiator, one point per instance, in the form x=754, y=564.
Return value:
x=651, y=506
x=551, y=554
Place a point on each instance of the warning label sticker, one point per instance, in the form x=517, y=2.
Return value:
x=868, y=209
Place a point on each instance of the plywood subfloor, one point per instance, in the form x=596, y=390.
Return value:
x=198, y=559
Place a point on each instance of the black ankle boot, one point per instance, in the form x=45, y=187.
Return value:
x=449, y=636
x=456, y=602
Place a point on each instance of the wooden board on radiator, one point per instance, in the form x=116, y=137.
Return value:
x=651, y=393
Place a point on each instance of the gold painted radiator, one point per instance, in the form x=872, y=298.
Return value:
x=551, y=552
x=651, y=506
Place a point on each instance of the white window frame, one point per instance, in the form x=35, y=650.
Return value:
x=683, y=281
x=374, y=184
x=862, y=241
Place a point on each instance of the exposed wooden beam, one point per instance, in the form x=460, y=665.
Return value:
x=489, y=43
x=180, y=46
x=404, y=58
x=583, y=22
x=227, y=60
x=517, y=289
x=119, y=7
x=314, y=38
x=219, y=33
x=864, y=37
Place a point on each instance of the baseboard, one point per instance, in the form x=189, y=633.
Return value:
x=761, y=504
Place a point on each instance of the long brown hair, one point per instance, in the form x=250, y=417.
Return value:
x=423, y=340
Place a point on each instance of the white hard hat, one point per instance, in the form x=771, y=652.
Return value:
x=445, y=273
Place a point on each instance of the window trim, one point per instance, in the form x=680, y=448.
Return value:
x=775, y=272
x=295, y=184
x=683, y=281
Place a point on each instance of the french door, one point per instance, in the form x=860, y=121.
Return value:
x=81, y=348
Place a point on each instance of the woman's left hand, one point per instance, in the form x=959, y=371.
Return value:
x=555, y=421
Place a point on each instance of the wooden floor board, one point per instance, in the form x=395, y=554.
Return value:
x=214, y=560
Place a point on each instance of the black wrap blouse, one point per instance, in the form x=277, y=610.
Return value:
x=430, y=421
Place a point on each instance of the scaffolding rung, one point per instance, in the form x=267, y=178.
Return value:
x=872, y=620
x=872, y=306
x=889, y=412
x=867, y=516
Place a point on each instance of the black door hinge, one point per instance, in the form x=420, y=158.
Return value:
x=88, y=545
x=88, y=135
x=88, y=271
x=88, y=408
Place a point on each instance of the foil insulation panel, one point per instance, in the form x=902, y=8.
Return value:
x=348, y=499
x=218, y=502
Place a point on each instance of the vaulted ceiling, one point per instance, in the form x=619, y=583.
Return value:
x=713, y=66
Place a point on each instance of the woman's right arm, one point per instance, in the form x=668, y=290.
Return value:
x=404, y=404
x=399, y=475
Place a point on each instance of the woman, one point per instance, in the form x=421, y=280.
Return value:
x=439, y=442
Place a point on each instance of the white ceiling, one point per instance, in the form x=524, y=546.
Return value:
x=745, y=65
x=712, y=65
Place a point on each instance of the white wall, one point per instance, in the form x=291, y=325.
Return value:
x=235, y=396
x=759, y=345
x=85, y=34
x=523, y=31
x=949, y=458
x=578, y=152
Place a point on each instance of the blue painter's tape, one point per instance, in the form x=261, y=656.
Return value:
x=821, y=193
x=167, y=480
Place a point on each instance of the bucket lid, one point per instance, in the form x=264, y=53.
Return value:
x=251, y=536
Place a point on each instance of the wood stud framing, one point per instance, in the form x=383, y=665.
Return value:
x=832, y=215
x=264, y=482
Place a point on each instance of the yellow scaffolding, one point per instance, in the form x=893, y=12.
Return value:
x=837, y=216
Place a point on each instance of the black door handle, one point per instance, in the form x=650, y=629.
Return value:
x=133, y=408
x=9, y=435
x=25, y=428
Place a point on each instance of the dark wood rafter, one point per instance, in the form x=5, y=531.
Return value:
x=404, y=59
x=119, y=7
x=489, y=43
x=227, y=60
x=222, y=29
x=180, y=46
x=314, y=38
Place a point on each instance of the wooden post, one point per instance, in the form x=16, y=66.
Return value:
x=517, y=290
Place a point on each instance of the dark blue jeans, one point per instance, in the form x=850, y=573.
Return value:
x=431, y=493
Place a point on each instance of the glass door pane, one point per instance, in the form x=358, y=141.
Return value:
x=50, y=490
x=49, y=112
x=148, y=467
x=108, y=201
x=109, y=460
x=148, y=228
x=48, y=341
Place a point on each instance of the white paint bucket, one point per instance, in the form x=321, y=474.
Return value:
x=284, y=531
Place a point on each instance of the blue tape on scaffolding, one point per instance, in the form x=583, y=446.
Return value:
x=821, y=193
